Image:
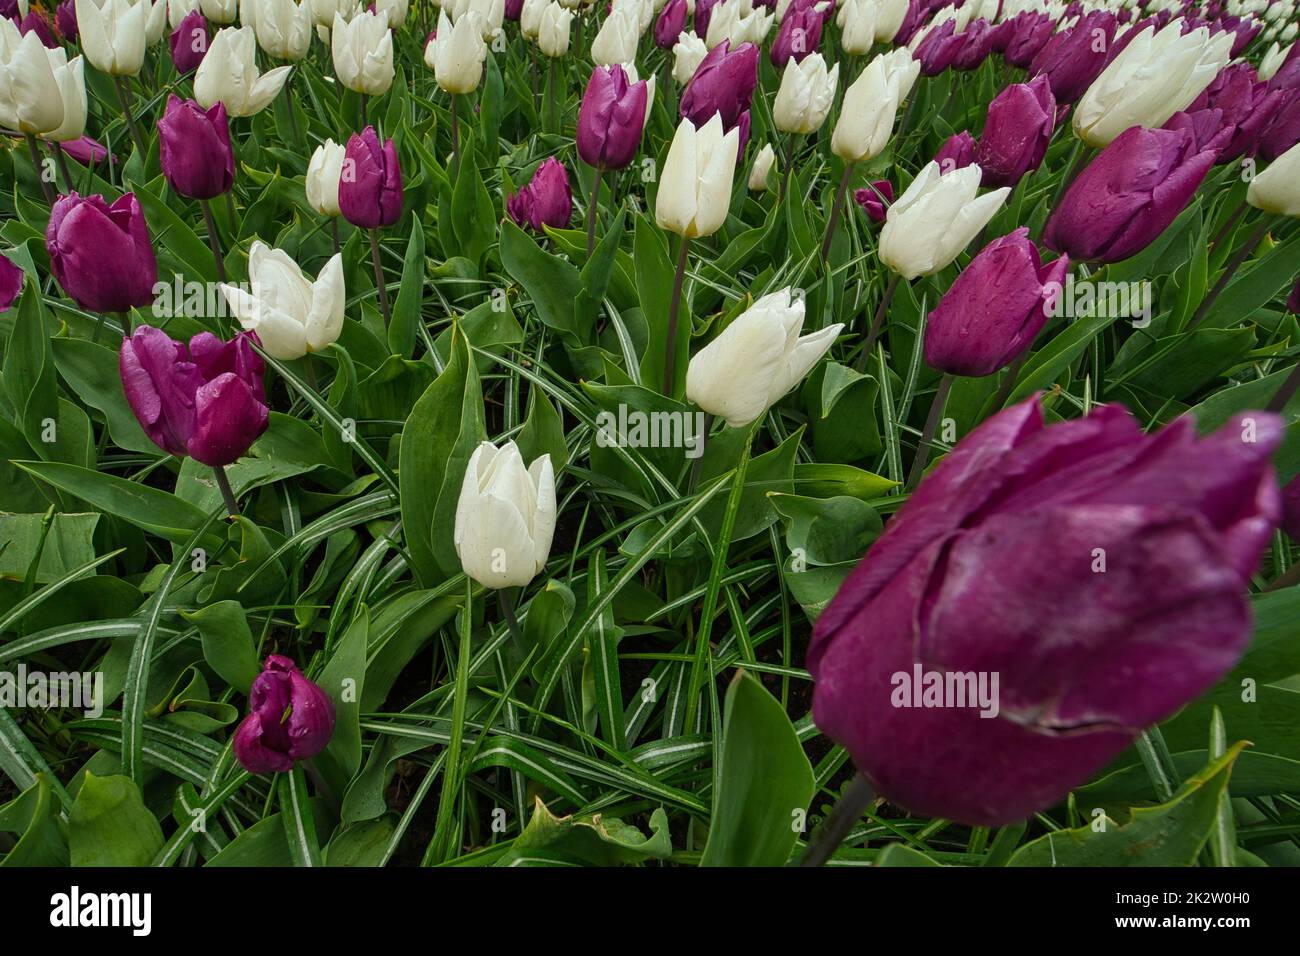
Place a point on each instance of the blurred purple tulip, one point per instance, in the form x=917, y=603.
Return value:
x=1026, y=40
x=11, y=282
x=1071, y=59
x=1290, y=522
x=1283, y=129
x=670, y=24
x=370, y=189
x=977, y=44
x=1016, y=134
x=289, y=719
x=875, y=199
x=513, y=9
x=723, y=83
x=37, y=22
x=940, y=47
x=101, y=254
x=189, y=42
x=65, y=20
x=611, y=118
x=86, y=151
x=194, y=149
x=547, y=199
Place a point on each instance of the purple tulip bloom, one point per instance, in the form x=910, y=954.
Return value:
x=11, y=282
x=513, y=9
x=939, y=48
x=86, y=151
x=189, y=42
x=990, y=568
x=205, y=401
x=546, y=200
x=1017, y=132
x=1128, y=195
x=370, y=189
x=101, y=255
x=1283, y=129
x=65, y=19
x=194, y=149
x=977, y=44
x=1031, y=33
x=37, y=22
x=1287, y=76
x=611, y=118
x=995, y=309
x=875, y=199
x=703, y=11
x=289, y=719
x=799, y=34
x=1071, y=59
x=670, y=24
x=957, y=152
x=1246, y=103
x=723, y=83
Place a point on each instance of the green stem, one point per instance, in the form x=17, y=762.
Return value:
x=847, y=811
x=877, y=323
x=674, y=307
x=227, y=493
x=835, y=213
x=37, y=167
x=213, y=242
x=380, y=284
x=592, y=209
x=1229, y=270
x=927, y=434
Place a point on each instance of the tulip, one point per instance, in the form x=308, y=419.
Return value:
x=65, y=19
x=762, y=168
x=1155, y=76
x=871, y=102
x=362, y=50
x=671, y=23
x=219, y=11
x=86, y=151
x=805, y=96
x=875, y=199
x=101, y=254
x=30, y=99
x=695, y=186
x=701, y=15
x=11, y=283
x=688, y=53
x=505, y=516
x=1016, y=134
x=1277, y=188
x=723, y=83
x=798, y=36
x=617, y=39
x=194, y=149
x=889, y=16
x=178, y=10
x=511, y=10
x=1030, y=32
x=229, y=74
x=456, y=54
x=938, y=47
x=1128, y=195
x=530, y=17
x=283, y=27
x=113, y=36
x=398, y=9
x=69, y=77
x=289, y=719
x=977, y=44
x=756, y=359
x=189, y=42
x=991, y=568
x=611, y=118
x=291, y=316
x=322, y=11
x=1286, y=75
x=370, y=195
x=1248, y=105
x=546, y=201
x=1282, y=129
x=1271, y=62
x=1073, y=58
x=324, y=171
x=36, y=22
x=731, y=22
x=957, y=152
x=553, y=31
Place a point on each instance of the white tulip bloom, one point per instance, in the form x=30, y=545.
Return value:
x=363, y=52
x=1277, y=189
x=695, y=185
x=178, y=10
x=290, y=315
x=890, y=15
x=323, y=174
x=530, y=17
x=756, y=359
x=70, y=78
x=229, y=74
x=733, y=20
x=806, y=94
x=30, y=98
x=219, y=11
x=505, y=516
x=688, y=52
x=456, y=53
x=113, y=36
x=155, y=21
x=282, y=27
x=489, y=15
x=617, y=39
x=870, y=105
x=553, y=29
x=396, y=10
x=1272, y=60
x=935, y=219
x=322, y=11
x=762, y=168
x=857, y=22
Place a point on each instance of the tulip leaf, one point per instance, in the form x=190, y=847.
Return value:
x=344, y=680
x=66, y=544
x=92, y=372
x=765, y=781
x=410, y=296
x=109, y=825
x=654, y=285
x=900, y=854
x=28, y=372
x=32, y=817
x=543, y=432
x=228, y=644
x=299, y=824
x=552, y=284
x=587, y=840
x=172, y=234
x=826, y=531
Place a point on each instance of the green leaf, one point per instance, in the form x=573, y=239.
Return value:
x=29, y=378
x=32, y=817
x=900, y=854
x=68, y=544
x=109, y=825
x=228, y=644
x=553, y=284
x=589, y=839
x=402, y=332
x=655, y=274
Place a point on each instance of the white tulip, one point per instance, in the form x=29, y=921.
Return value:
x=30, y=98
x=756, y=359
x=762, y=167
x=322, y=11
x=323, y=174
x=530, y=17
x=553, y=29
x=617, y=39
x=290, y=315
x=70, y=78
x=890, y=15
x=282, y=27
x=489, y=15
x=870, y=105
x=155, y=21
x=730, y=20
x=396, y=10
x=113, y=36
x=642, y=11
x=1289, y=32
x=229, y=74
x=456, y=53
x=857, y=21
x=178, y=10
x=505, y=516
x=695, y=185
x=806, y=94
x=1153, y=78
x=688, y=52
x=219, y=11
x=363, y=52
x=1270, y=62
x=1277, y=189
x=935, y=219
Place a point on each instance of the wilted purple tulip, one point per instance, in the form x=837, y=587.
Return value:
x=670, y=24
x=957, y=152
x=370, y=189
x=1085, y=580
x=995, y=308
x=194, y=149
x=799, y=34
x=1016, y=134
x=875, y=199
x=65, y=19
x=11, y=282
x=1026, y=39
x=611, y=118
x=37, y=22
x=546, y=200
x=86, y=151
x=938, y=49
x=1128, y=195
x=1073, y=58
x=189, y=42
x=723, y=83
x=101, y=254
x=289, y=719
x=1283, y=129
x=205, y=400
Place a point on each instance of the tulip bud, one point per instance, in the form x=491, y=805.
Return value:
x=875, y=199
x=938, y=47
x=762, y=168
x=546, y=200
x=756, y=359
x=695, y=186
x=805, y=96
x=194, y=149
x=456, y=54
x=362, y=49
x=857, y=22
x=1029, y=34
x=736, y=22
x=113, y=36
x=30, y=100
x=322, y=13
x=866, y=119
x=36, y=22
x=1128, y=195
x=1277, y=188
x=101, y=255
x=671, y=23
x=11, y=283
x=1019, y=127
x=206, y=400
x=723, y=83
x=935, y=219
x=229, y=74
x=289, y=719
x=798, y=36
x=189, y=42
x=370, y=184
x=323, y=174
x=70, y=80
x=553, y=30
x=290, y=315
x=688, y=53
x=505, y=516
x=617, y=39
x=530, y=17
x=611, y=118
x=957, y=152
x=283, y=27
x=1073, y=58
x=1271, y=61
x=65, y=19
x=990, y=570
x=890, y=15
x=511, y=10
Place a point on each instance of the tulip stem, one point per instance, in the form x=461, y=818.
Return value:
x=1229, y=270
x=379, y=275
x=227, y=493
x=835, y=213
x=927, y=433
x=1009, y=380
x=1228, y=226
x=288, y=106
x=39, y=169
x=455, y=137
x=857, y=797
x=789, y=165
x=698, y=464
x=213, y=241
x=674, y=307
x=552, y=114
x=877, y=322
x=506, y=601
x=334, y=232
x=592, y=208
x=1071, y=170
x=61, y=159
x=119, y=83
x=1284, y=394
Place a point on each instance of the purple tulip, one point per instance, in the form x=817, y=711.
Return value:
x=189, y=42
x=370, y=189
x=546, y=200
x=37, y=22
x=671, y=23
x=977, y=44
x=939, y=48
x=799, y=34
x=1017, y=132
x=101, y=254
x=611, y=118
x=1208, y=129
x=990, y=570
x=1247, y=104
x=957, y=152
x=205, y=400
x=1128, y=195
x=995, y=309
x=1283, y=129
x=11, y=282
x=86, y=151
x=1287, y=76
x=912, y=23
x=65, y=19
x=875, y=199
x=194, y=149
x=1031, y=33
x=9, y=10
x=1071, y=59
x=723, y=83
x=289, y=719
x=1246, y=30
x=1290, y=522
x=703, y=11
x=513, y=9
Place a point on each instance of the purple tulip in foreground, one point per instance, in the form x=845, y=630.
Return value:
x=370, y=189
x=1019, y=127
x=101, y=254
x=194, y=149
x=289, y=719
x=874, y=199
x=204, y=400
x=11, y=283
x=546, y=200
x=611, y=118
x=1128, y=195
x=189, y=42
x=995, y=308
x=991, y=571
x=670, y=24
x=723, y=83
